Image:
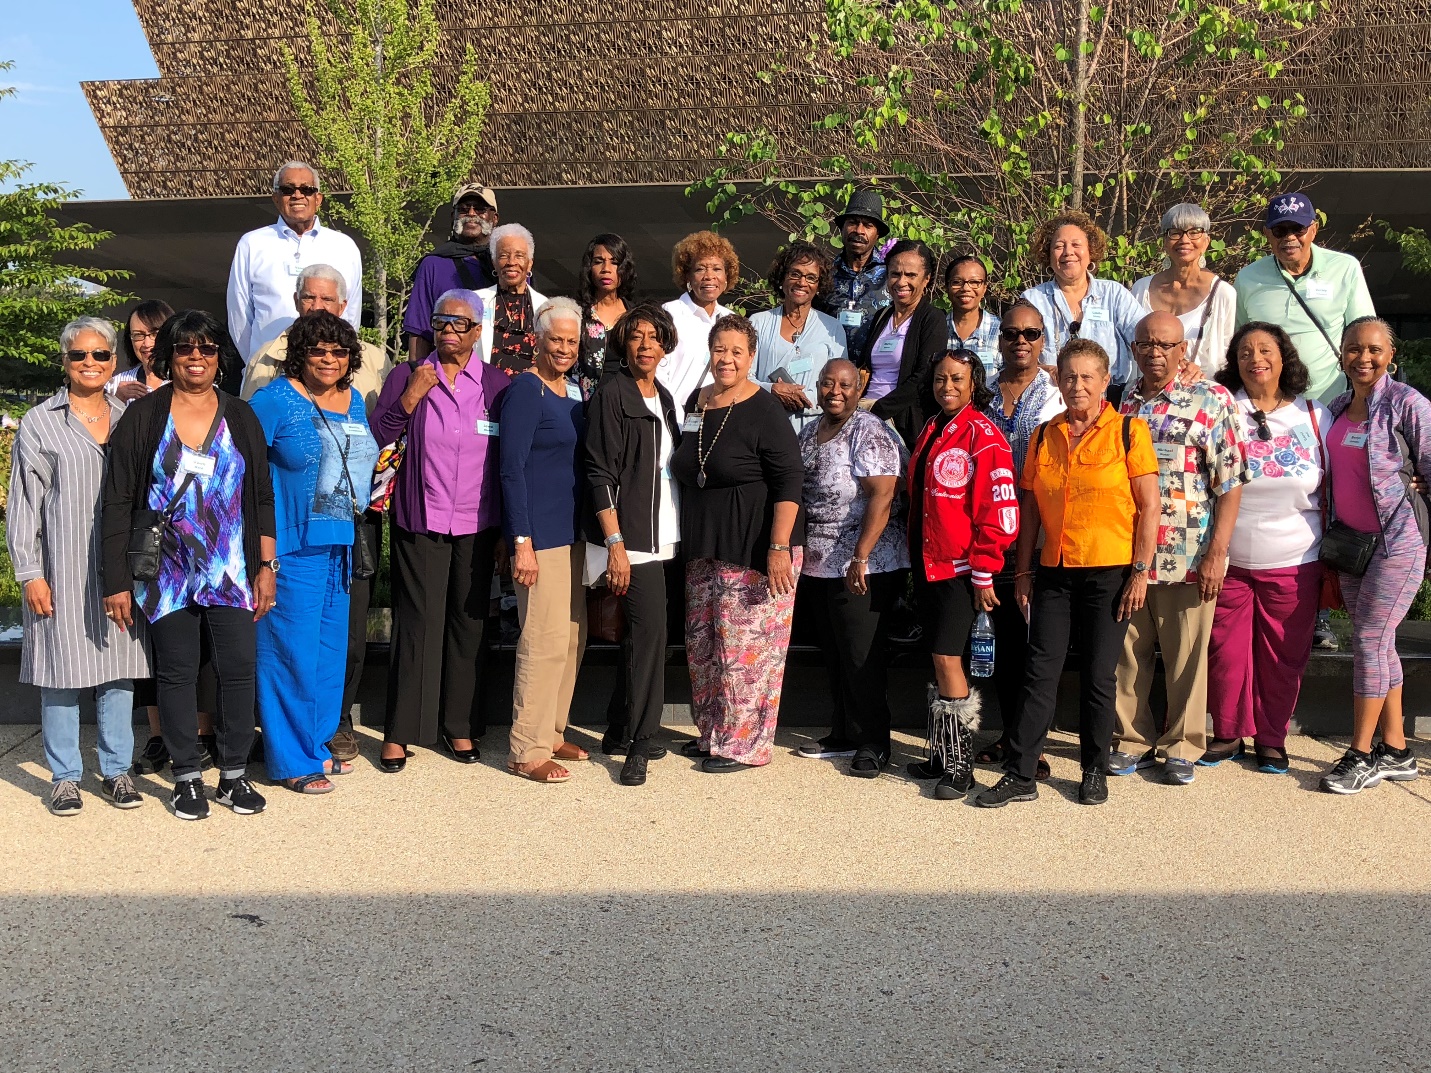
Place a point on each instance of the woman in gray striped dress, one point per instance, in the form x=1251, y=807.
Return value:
x=52, y=528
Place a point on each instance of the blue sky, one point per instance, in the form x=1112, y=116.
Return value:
x=54, y=48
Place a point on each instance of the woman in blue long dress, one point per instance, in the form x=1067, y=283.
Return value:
x=321, y=457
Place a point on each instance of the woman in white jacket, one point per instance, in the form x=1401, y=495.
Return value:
x=509, y=323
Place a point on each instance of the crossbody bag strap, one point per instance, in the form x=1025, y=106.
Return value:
x=1217, y=281
x=1326, y=469
x=208, y=444
x=342, y=450
x=1310, y=315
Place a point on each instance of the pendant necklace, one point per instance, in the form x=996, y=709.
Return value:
x=702, y=455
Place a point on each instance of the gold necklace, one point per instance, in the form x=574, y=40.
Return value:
x=703, y=456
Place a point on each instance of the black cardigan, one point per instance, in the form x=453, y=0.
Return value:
x=620, y=453
x=132, y=447
x=911, y=403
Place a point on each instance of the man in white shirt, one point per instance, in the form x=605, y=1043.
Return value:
x=268, y=261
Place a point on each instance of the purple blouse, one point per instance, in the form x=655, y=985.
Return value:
x=449, y=481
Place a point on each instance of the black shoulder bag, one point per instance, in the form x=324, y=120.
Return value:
x=365, y=555
x=146, y=531
x=1344, y=549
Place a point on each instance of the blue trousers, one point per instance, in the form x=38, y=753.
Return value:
x=60, y=725
x=303, y=659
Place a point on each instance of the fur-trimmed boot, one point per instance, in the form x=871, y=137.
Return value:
x=956, y=721
x=932, y=767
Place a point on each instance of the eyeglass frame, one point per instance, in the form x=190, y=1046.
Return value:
x=438, y=321
x=289, y=189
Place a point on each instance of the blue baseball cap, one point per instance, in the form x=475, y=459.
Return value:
x=1294, y=208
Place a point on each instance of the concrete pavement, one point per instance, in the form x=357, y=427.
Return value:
x=457, y=918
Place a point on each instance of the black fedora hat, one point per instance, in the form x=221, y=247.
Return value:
x=868, y=205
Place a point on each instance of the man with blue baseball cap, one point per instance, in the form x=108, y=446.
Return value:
x=1310, y=291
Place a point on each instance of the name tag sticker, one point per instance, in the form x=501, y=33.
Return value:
x=888, y=345
x=1319, y=289
x=203, y=465
x=354, y=428
x=852, y=318
x=692, y=423
x=1304, y=436
x=488, y=428
x=1166, y=451
x=1354, y=439
x=1095, y=313
x=293, y=268
x=800, y=365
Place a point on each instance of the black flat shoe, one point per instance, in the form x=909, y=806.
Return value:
x=633, y=772
x=623, y=748
x=392, y=765
x=462, y=756
x=693, y=749
x=720, y=765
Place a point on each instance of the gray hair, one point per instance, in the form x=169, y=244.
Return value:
x=512, y=231
x=466, y=297
x=328, y=272
x=557, y=309
x=71, y=332
x=1183, y=216
x=289, y=165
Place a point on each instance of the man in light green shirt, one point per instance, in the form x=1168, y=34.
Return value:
x=1330, y=283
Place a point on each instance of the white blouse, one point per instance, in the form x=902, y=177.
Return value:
x=1207, y=339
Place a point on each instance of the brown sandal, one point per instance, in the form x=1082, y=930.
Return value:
x=570, y=751
x=546, y=771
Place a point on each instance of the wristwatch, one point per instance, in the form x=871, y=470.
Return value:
x=520, y=540
x=1140, y=568
x=272, y=564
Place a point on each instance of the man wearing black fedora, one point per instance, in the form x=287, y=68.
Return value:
x=858, y=292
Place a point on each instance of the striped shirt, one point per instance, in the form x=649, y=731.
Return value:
x=52, y=528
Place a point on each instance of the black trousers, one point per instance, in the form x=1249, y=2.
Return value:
x=634, y=713
x=231, y=639
x=851, y=630
x=442, y=589
x=1081, y=601
x=360, y=597
x=1011, y=652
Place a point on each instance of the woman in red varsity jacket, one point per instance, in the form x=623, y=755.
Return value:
x=963, y=516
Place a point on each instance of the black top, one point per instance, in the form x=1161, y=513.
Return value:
x=751, y=465
x=621, y=450
x=132, y=447
x=911, y=403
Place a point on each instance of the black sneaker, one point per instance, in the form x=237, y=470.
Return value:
x=622, y=747
x=1394, y=765
x=65, y=798
x=633, y=771
x=1093, y=790
x=121, y=791
x=955, y=784
x=240, y=796
x=189, y=801
x=1323, y=636
x=1009, y=788
x=154, y=758
x=1353, y=773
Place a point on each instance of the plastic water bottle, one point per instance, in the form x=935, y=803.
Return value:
x=981, y=647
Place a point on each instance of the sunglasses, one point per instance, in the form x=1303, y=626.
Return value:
x=80, y=355
x=339, y=352
x=289, y=189
x=1264, y=430
x=208, y=350
x=1283, y=230
x=1028, y=335
x=461, y=325
x=1075, y=328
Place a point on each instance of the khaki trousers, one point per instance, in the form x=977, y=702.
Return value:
x=552, y=614
x=1177, y=619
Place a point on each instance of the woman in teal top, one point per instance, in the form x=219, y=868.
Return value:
x=795, y=336
x=321, y=456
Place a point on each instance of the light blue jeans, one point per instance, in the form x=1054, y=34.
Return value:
x=60, y=724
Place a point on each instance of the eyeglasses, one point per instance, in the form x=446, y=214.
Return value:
x=1028, y=335
x=289, y=189
x=339, y=352
x=1075, y=328
x=1145, y=346
x=1283, y=230
x=1264, y=430
x=80, y=355
x=460, y=325
x=957, y=284
x=802, y=277
x=474, y=208
x=208, y=350
x=1177, y=234
x=142, y=337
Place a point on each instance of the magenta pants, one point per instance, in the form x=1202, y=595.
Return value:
x=1261, y=640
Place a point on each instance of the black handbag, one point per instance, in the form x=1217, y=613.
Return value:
x=146, y=527
x=1347, y=550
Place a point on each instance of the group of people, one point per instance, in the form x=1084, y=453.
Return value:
x=1100, y=470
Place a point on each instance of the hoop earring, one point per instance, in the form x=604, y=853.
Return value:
x=1391, y=368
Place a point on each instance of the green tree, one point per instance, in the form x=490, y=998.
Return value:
x=982, y=118
x=368, y=97
x=39, y=291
